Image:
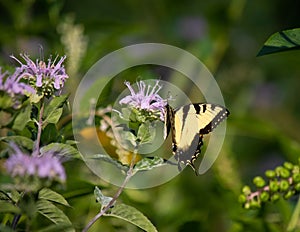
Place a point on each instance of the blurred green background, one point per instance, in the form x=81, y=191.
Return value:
x=262, y=94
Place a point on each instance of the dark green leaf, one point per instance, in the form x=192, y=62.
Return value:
x=149, y=163
x=49, y=134
x=50, y=211
x=22, y=118
x=57, y=227
x=64, y=150
x=281, y=41
x=132, y=215
x=19, y=140
x=4, y=228
x=50, y=195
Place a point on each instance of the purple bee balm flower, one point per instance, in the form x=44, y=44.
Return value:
x=42, y=74
x=12, y=84
x=146, y=98
x=45, y=166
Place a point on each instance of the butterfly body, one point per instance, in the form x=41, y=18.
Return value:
x=188, y=124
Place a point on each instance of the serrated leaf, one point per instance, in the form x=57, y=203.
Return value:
x=149, y=163
x=281, y=41
x=103, y=200
x=61, y=149
x=19, y=140
x=108, y=159
x=50, y=195
x=132, y=215
x=22, y=118
x=54, y=214
x=7, y=207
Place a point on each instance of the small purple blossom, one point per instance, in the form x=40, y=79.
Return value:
x=12, y=84
x=42, y=74
x=45, y=166
x=146, y=98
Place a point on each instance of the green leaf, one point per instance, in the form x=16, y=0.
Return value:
x=61, y=149
x=146, y=133
x=108, y=159
x=54, y=109
x=19, y=140
x=4, y=228
x=53, y=116
x=132, y=215
x=5, y=101
x=55, y=103
x=149, y=163
x=7, y=207
x=50, y=195
x=50, y=211
x=22, y=118
x=57, y=227
x=281, y=41
x=103, y=200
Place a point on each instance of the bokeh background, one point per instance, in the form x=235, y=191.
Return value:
x=262, y=94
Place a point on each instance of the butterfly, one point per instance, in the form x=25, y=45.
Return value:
x=188, y=125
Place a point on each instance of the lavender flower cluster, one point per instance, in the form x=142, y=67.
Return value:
x=46, y=166
x=34, y=77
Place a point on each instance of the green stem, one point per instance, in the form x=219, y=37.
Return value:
x=116, y=196
x=39, y=133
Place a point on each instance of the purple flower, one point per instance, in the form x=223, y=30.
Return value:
x=146, y=98
x=45, y=166
x=41, y=74
x=12, y=84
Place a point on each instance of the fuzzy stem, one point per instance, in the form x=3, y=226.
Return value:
x=39, y=133
x=114, y=199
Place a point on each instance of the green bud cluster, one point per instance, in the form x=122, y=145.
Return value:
x=283, y=181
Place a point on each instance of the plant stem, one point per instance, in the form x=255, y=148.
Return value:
x=39, y=133
x=114, y=199
x=295, y=217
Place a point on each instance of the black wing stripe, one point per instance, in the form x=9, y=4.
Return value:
x=215, y=122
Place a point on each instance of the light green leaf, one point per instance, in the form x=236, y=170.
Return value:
x=50, y=195
x=61, y=149
x=53, y=116
x=54, y=109
x=132, y=215
x=5, y=101
x=4, y=228
x=19, y=140
x=103, y=200
x=281, y=41
x=22, y=118
x=55, y=103
x=108, y=159
x=7, y=207
x=146, y=133
x=50, y=211
x=149, y=163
